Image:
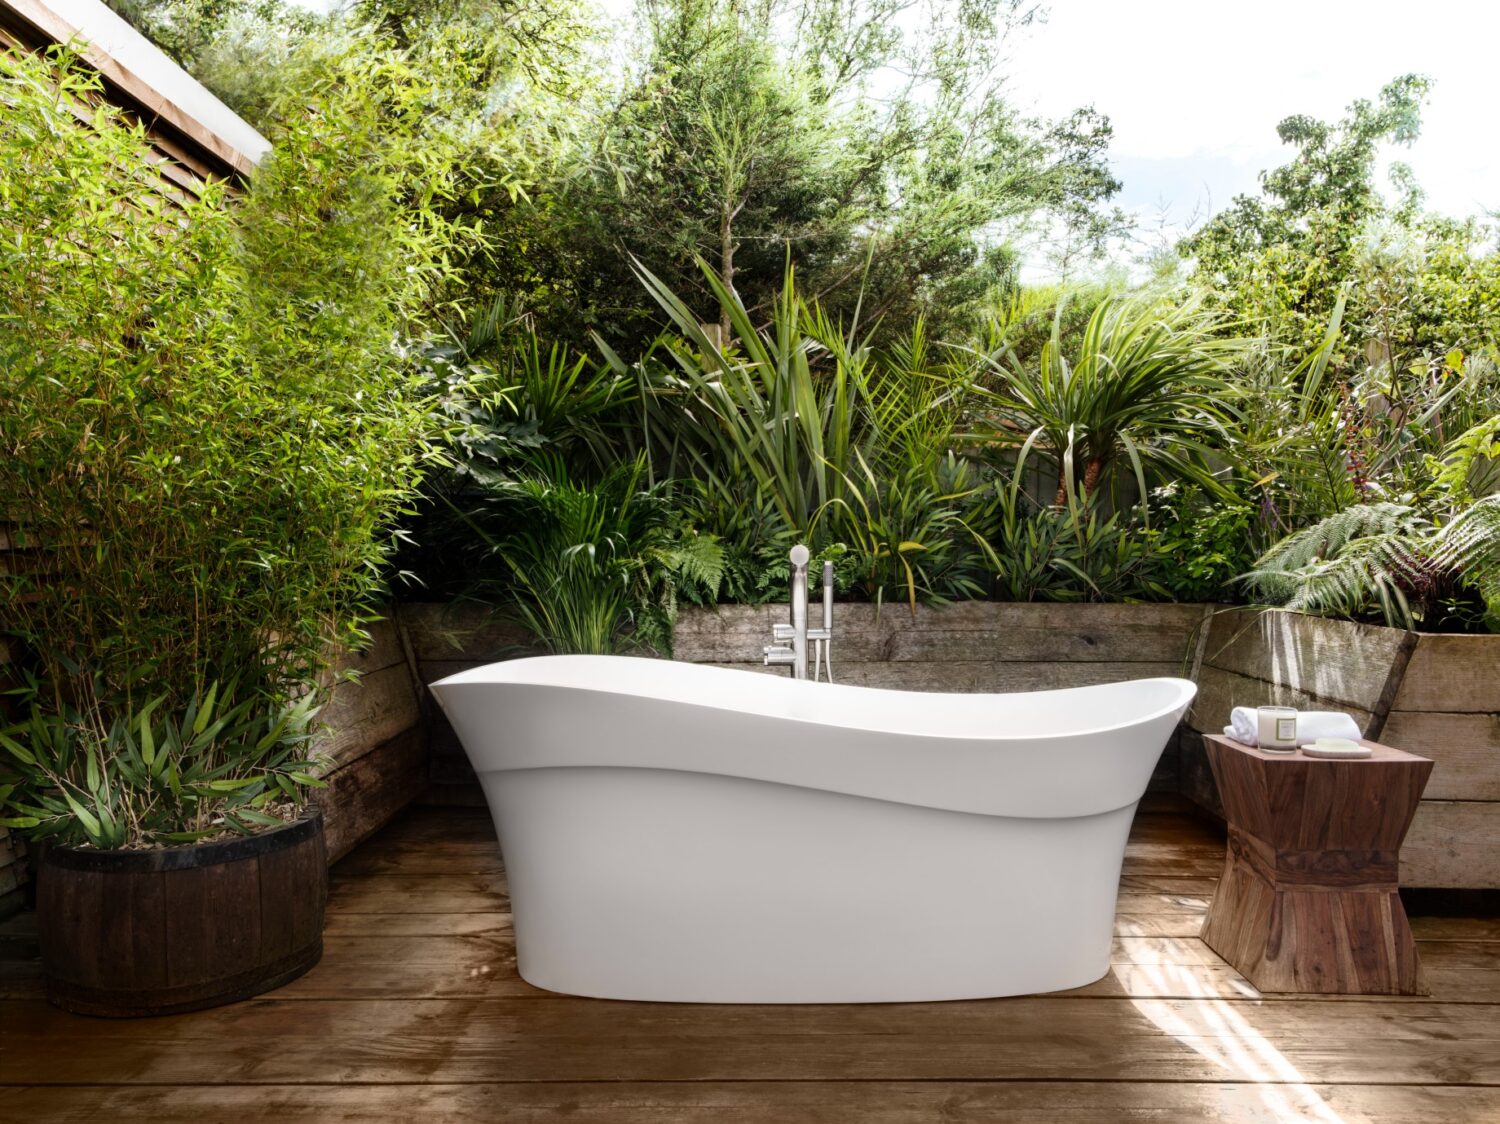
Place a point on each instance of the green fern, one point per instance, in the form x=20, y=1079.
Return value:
x=1325, y=539
x=1387, y=557
x=1470, y=544
x=1368, y=554
x=697, y=558
x=1465, y=470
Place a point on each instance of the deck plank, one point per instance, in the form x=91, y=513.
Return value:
x=562, y=1038
x=883, y=1102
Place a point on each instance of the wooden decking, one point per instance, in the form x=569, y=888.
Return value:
x=416, y=1014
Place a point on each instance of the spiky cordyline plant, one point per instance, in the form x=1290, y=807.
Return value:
x=1144, y=381
x=796, y=405
x=843, y=441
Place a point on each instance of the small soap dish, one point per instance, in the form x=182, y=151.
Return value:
x=1339, y=749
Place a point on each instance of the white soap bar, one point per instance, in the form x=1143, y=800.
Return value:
x=1334, y=748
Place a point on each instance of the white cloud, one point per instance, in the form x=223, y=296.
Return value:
x=1195, y=89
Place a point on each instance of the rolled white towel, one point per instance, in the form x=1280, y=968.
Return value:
x=1311, y=725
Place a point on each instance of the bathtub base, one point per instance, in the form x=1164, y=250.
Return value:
x=662, y=885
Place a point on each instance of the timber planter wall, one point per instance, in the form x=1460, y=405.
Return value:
x=971, y=646
x=444, y=639
x=374, y=741
x=1437, y=696
x=1447, y=707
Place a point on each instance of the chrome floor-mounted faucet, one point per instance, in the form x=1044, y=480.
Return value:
x=791, y=640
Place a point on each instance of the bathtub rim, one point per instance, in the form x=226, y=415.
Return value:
x=511, y=673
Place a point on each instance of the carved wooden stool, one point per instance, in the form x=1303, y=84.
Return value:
x=1308, y=900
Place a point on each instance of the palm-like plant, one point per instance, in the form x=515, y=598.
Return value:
x=1470, y=545
x=590, y=568
x=1145, y=381
x=512, y=395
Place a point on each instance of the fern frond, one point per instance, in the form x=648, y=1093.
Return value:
x=1464, y=461
x=1377, y=569
x=1488, y=585
x=1470, y=542
x=1330, y=536
x=700, y=559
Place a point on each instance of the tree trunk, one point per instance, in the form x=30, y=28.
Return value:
x=1091, y=473
x=1091, y=476
x=726, y=262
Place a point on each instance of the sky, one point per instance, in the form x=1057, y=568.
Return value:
x=1195, y=89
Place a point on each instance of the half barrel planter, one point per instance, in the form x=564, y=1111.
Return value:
x=157, y=932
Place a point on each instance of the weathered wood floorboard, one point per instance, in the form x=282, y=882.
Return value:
x=417, y=1012
x=879, y=1102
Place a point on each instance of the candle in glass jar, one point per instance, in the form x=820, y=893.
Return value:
x=1276, y=727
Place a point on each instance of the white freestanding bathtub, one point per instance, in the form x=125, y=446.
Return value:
x=688, y=833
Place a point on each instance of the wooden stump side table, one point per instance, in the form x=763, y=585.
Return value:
x=1308, y=900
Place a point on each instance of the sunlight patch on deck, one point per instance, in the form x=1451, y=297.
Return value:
x=1220, y=1032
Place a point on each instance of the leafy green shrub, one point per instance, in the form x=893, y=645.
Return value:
x=158, y=778
x=211, y=421
x=1199, y=544
x=1077, y=552
x=589, y=567
x=1311, y=444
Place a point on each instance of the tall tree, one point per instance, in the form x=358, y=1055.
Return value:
x=1279, y=258
x=867, y=140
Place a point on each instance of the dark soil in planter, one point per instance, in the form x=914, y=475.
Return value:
x=157, y=932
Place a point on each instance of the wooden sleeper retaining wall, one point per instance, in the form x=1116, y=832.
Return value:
x=374, y=741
